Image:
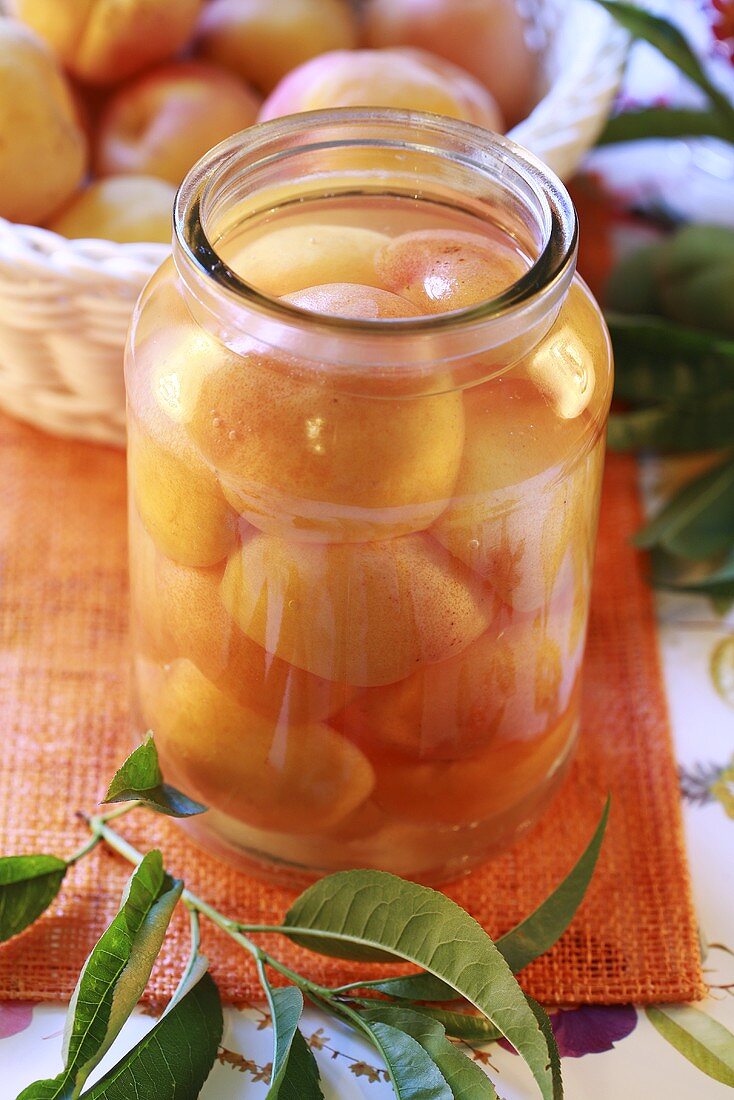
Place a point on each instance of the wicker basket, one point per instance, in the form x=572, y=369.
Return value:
x=65, y=305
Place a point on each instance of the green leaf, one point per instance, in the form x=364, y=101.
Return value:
x=286, y=1008
x=464, y=1077
x=354, y=913
x=113, y=977
x=468, y=1026
x=695, y=277
x=632, y=286
x=666, y=122
x=697, y=424
x=698, y=521
x=28, y=885
x=715, y=581
x=412, y=987
x=538, y=932
x=302, y=1078
x=699, y=1038
x=555, y=1059
x=722, y=669
x=295, y=1073
x=413, y=1073
x=197, y=964
x=658, y=360
x=528, y=940
x=666, y=38
x=140, y=779
x=175, y=1058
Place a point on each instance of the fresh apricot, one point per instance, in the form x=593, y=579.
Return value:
x=121, y=208
x=262, y=40
x=443, y=269
x=43, y=150
x=362, y=614
x=488, y=39
x=269, y=774
x=105, y=41
x=161, y=123
x=404, y=79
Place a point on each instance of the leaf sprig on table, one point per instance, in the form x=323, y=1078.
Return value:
x=465, y=988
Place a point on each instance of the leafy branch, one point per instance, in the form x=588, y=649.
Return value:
x=677, y=382
x=672, y=327
x=715, y=120
x=466, y=990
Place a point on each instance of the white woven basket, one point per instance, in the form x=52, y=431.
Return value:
x=65, y=305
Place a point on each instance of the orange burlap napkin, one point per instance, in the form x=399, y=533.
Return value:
x=63, y=685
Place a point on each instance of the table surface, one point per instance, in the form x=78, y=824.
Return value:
x=608, y=1052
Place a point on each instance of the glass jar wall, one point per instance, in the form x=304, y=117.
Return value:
x=367, y=400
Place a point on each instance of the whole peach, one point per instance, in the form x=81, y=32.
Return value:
x=485, y=37
x=295, y=779
x=121, y=208
x=103, y=41
x=521, y=498
x=309, y=461
x=43, y=151
x=178, y=497
x=161, y=123
x=444, y=269
x=366, y=613
x=296, y=257
x=352, y=300
x=176, y=493
x=262, y=40
x=177, y=611
x=406, y=79
x=467, y=791
x=508, y=685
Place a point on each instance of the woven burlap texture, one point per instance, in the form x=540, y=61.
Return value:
x=63, y=689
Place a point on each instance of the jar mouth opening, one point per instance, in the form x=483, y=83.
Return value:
x=270, y=144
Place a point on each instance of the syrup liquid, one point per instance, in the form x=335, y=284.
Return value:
x=359, y=617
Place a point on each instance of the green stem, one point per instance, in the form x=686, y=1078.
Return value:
x=124, y=848
x=314, y=991
x=196, y=905
x=350, y=1016
x=352, y=985
x=119, y=811
x=83, y=851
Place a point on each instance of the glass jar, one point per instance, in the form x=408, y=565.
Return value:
x=367, y=403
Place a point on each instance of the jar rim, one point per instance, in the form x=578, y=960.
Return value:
x=552, y=268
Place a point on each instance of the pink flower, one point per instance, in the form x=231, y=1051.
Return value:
x=723, y=24
x=590, y=1029
x=15, y=1016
